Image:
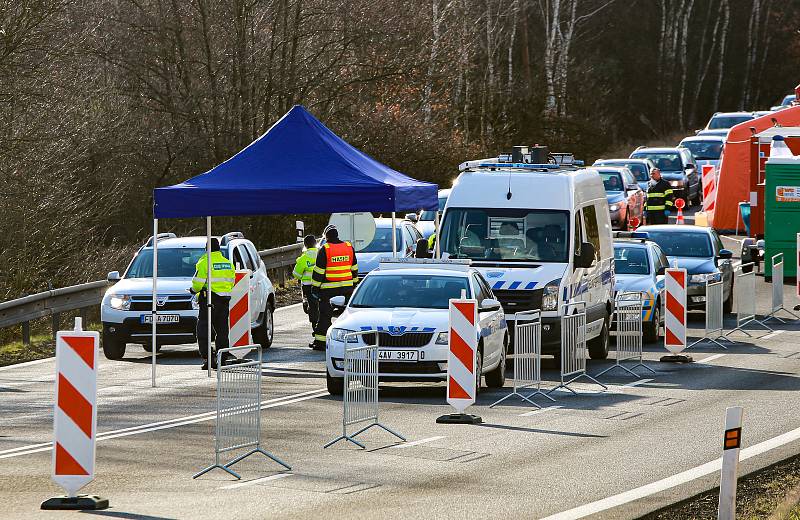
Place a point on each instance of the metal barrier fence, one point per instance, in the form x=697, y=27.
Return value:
x=714, y=330
x=777, y=290
x=360, y=399
x=573, y=347
x=238, y=407
x=628, y=310
x=527, y=357
x=744, y=298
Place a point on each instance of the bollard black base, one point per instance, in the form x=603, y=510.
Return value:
x=78, y=503
x=676, y=358
x=459, y=418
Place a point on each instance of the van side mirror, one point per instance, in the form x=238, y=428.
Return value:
x=586, y=257
x=489, y=305
x=412, y=217
x=113, y=276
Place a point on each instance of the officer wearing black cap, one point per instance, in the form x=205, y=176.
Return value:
x=335, y=274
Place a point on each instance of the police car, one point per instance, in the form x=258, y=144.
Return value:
x=639, y=265
x=126, y=307
x=405, y=302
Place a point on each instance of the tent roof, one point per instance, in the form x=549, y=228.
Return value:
x=297, y=166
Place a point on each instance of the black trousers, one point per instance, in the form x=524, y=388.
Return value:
x=326, y=311
x=657, y=217
x=219, y=323
x=311, y=305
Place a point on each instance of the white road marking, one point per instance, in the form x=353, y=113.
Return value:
x=257, y=481
x=540, y=410
x=417, y=443
x=672, y=481
x=637, y=383
x=711, y=358
x=772, y=334
x=162, y=425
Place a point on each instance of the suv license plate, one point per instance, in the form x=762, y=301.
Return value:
x=398, y=355
x=162, y=318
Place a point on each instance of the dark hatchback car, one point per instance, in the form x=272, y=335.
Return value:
x=699, y=250
x=678, y=168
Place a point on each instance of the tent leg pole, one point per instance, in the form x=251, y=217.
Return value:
x=394, y=236
x=154, y=309
x=208, y=290
x=437, y=222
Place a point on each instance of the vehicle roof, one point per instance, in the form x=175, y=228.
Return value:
x=657, y=149
x=444, y=192
x=424, y=271
x=704, y=137
x=182, y=242
x=625, y=160
x=615, y=169
x=385, y=222
x=729, y=114
x=676, y=227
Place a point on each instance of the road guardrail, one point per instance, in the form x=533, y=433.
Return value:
x=279, y=262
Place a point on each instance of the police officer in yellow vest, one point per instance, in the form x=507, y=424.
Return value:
x=335, y=274
x=223, y=277
x=303, y=270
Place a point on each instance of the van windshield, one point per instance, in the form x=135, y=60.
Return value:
x=514, y=235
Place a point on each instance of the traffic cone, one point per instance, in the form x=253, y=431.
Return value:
x=679, y=218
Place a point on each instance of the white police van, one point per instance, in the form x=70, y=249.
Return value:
x=538, y=229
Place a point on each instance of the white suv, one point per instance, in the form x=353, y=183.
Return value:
x=126, y=306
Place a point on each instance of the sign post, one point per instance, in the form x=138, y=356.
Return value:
x=463, y=372
x=301, y=229
x=75, y=418
x=679, y=204
x=675, y=315
x=731, y=446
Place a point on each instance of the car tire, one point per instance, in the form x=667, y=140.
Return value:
x=652, y=328
x=598, y=347
x=497, y=377
x=148, y=348
x=727, y=305
x=264, y=333
x=113, y=348
x=478, y=370
x=698, y=198
x=335, y=384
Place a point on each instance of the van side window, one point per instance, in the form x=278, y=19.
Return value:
x=578, y=233
x=592, y=231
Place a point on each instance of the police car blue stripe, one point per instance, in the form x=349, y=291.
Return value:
x=530, y=285
x=498, y=285
x=514, y=285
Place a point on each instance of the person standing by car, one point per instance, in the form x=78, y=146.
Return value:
x=335, y=273
x=659, y=199
x=223, y=277
x=303, y=271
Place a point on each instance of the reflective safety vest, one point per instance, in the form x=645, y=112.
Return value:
x=223, y=275
x=431, y=241
x=304, y=266
x=659, y=196
x=338, y=266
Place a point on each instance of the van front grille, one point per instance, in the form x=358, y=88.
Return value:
x=519, y=300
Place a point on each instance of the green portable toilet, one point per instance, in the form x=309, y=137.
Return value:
x=782, y=213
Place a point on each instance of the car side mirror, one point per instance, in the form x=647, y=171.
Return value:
x=661, y=271
x=725, y=254
x=113, y=276
x=633, y=187
x=338, y=302
x=689, y=168
x=412, y=217
x=489, y=305
x=586, y=257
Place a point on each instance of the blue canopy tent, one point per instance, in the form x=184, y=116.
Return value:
x=297, y=166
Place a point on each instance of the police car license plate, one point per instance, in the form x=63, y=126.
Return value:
x=162, y=318
x=398, y=355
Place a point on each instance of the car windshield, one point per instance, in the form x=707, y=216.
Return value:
x=382, y=241
x=631, y=260
x=722, y=122
x=788, y=100
x=513, y=235
x=682, y=243
x=704, y=150
x=640, y=171
x=664, y=161
x=431, y=215
x=173, y=262
x=414, y=291
x=612, y=181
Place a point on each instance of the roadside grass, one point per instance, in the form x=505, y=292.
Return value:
x=772, y=493
x=42, y=346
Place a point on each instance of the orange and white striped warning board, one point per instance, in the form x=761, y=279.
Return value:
x=709, y=178
x=75, y=410
x=463, y=351
x=675, y=310
x=239, y=333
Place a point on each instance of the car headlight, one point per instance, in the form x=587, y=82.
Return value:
x=120, y=302
x=550, y=295
x=340, y=335
x=705, y=277
x=676, y=184
x=613, y=207
x=442, y=338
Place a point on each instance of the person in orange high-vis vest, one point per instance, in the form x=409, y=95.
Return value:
x=335, y=274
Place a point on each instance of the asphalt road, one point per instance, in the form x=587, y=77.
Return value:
x=593, y=451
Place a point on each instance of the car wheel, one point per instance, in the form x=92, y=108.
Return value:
x=727, y=305
x=113, y=348
x=149, y=348
x=651, y=329
x=264, y=333
x=478, y=370
x=497, y=377
x=335, y=384
x=698, y=198
x=598, y=347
